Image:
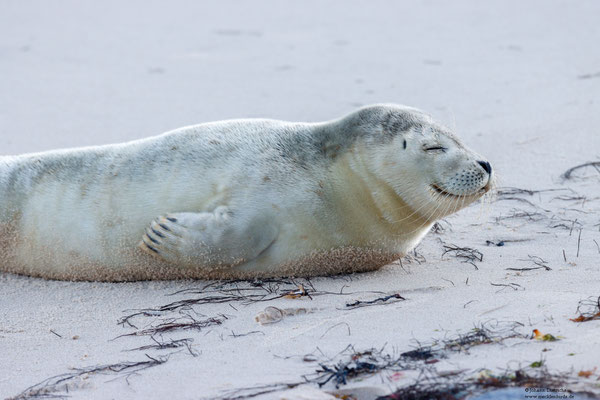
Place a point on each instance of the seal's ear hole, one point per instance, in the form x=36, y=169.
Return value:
x=404, y=144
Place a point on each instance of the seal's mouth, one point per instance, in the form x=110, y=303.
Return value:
x=441, y=191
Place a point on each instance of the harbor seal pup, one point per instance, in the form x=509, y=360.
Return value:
x=237, y=199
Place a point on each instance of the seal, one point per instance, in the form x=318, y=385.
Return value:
x=237, y=199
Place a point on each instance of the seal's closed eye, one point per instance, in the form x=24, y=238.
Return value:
x=435, y=148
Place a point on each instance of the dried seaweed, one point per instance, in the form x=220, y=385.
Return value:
x=254, y=391
x=236, y=291
x=513, y=191
x=575, y=197
x=356, y=364
x=422, y=353
x=378, y=301
x=432, y=388
x=538, y=261
x=221, y=292
x=529, y=216
x=180, y=315
x=516, y=194
x=564, y=223
x=373, y=360
x=502, y=242
x=477, y=336
x=466, y=254
x=535, y=213
x=187, y=322
x=441, y=226
x=367, y=362
x=58, y=386
x=171, y=344
x=485, y=333
x=352, y=364
x=513, y=286
x=460, y=386
x=504, y=192
x=588, y=310
x=568, y=174
x=413, y=257
x=522, y=378
x=236, y=335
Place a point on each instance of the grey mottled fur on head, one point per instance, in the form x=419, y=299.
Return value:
x=321, y=142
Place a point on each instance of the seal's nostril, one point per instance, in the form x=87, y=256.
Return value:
x=486, y=166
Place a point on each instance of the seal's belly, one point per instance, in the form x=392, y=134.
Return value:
x=140, y=266
x=339, y=260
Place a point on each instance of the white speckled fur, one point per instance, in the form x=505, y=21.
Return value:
x=289, y=198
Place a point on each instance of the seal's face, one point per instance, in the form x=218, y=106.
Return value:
x=432, y=171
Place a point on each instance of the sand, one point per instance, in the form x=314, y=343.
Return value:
x=519, y=83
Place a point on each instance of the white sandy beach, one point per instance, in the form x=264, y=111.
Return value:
x=518, y=82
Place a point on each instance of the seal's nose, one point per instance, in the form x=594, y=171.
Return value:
x=486, y=166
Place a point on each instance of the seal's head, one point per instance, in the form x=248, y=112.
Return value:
x=424, y=163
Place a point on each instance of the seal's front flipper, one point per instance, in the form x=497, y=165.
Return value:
x=210, y=239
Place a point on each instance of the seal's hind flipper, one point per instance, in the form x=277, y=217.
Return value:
x=207, y=239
